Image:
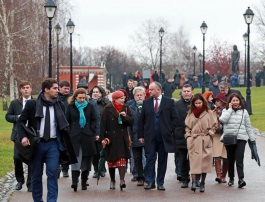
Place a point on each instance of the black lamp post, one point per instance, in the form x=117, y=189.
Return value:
x=203, y=30
x=245, y=37
x=58, y=31
x=194, y=49
x=200, y=59
x=248, y=15
x=50, y=8
x=161, y=34
x=71, y=27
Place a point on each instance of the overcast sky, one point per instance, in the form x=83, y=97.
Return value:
x=113, y=22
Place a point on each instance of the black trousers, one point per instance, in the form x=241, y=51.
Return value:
x=184, y=164
x=235, y=154
x=19, y=171
x=138, y=162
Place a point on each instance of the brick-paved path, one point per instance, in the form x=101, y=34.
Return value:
x=254, y=191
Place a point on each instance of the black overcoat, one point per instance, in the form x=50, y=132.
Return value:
x=67, y=154
x=82, y=137
x=167, y=119
x=117, y=133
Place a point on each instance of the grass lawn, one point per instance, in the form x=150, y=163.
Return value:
x=6, y=145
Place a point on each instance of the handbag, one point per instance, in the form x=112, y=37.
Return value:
x=230, y=139
x=28, y=151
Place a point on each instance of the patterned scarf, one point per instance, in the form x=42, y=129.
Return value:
x=80, y=107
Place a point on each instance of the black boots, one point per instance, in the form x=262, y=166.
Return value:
x=193, y=186
x=75, y=176
x=202, y=187
x=231, y=182
x=241, y=183
x=84, y=178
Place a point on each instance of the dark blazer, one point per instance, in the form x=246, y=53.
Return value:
x=168, y=122
x=63, y=138
x=14, y=110
x=82, y=137
x=117, y=133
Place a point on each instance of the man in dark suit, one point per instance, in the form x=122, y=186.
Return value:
x=156, y=128
x=12, y=115
x=46, y=116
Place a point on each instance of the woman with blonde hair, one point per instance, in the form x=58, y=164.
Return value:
x=82, y=121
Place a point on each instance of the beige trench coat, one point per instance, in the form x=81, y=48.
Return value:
x=199, y=132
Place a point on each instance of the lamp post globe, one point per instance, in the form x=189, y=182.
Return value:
x=71, y=27
x=50, y=8
x=204, y=28
x=248, y=16
x=245, y=37
x=58, y=31
x=161, y=34
x=194, y=49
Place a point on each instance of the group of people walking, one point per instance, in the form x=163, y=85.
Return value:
x=74, y=132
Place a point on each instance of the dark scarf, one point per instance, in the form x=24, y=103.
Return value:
x=197, y=111
x=238, y=108
x=58, y=112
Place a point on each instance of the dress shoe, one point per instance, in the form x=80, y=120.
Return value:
x=102, y=174
x=19, y=186
x=150, y=186
x=65, y=174
x=231, y=182
x=161, y=187
x=134, y=179
x=179, y=178
x=193, y=186
x=241, y=183
x=185, y=184
x=122, y=185
x=140, y=183
x=29, y=189
x=95, y=175
x=202, y=187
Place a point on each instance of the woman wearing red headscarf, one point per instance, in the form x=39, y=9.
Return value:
x=115, y=119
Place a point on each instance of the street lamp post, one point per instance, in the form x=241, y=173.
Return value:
x=203, y=30
x=58, y=31
x=245, y=37
x=194, y=53
x=200, y=59
x=199, y=75
x=71, y=27
x=161, y=34
x=248, y=15
x=50, y=8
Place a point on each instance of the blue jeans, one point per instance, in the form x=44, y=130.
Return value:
x=48, y=153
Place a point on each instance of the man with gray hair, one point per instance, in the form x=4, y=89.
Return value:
x=137, y=147
x=224, y=88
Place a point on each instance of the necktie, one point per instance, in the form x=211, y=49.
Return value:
x=46, y=134
x=156, y=105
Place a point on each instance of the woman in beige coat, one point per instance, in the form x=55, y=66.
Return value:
x=219, y=150
x=200, y=127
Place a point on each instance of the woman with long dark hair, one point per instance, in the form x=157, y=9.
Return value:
x=236, y=122
x=200, y=127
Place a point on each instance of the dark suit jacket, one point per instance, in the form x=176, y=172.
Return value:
x=63, y=138
x=167, y=119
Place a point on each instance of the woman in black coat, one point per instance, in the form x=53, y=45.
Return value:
x=82, y=120
x=115, y=119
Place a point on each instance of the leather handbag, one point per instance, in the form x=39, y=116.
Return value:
x=230, y=139
x=28, y=151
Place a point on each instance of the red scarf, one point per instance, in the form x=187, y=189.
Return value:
x=116, y=106
x=197, y=111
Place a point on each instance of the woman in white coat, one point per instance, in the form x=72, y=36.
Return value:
x=235, y=119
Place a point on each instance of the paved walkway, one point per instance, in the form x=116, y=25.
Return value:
x=254, y=191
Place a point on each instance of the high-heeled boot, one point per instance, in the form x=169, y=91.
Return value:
x=202, y=187
x=193, y=186
x=75, y=176
x=84, y=178
x=224, y=171
x=218, y=170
